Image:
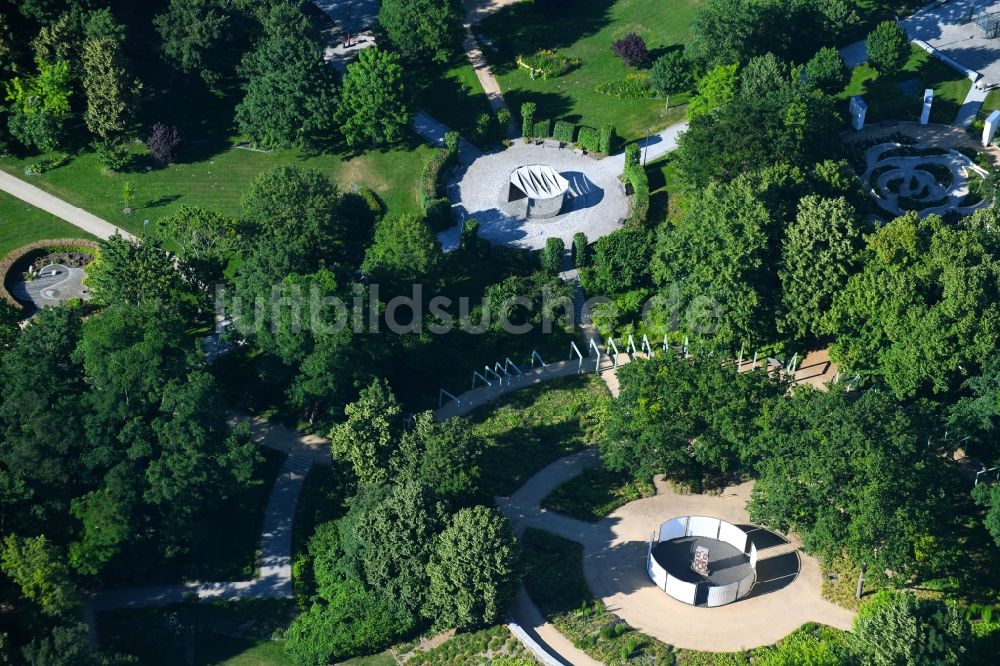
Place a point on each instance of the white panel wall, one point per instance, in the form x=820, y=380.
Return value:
x=753, y=557
x=657, y=574
x=745, y=586
x=722, y=595
x=733, y=535
x=701, y=526
x=673, y=529
x=680, y=590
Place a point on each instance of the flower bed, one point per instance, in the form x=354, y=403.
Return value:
x=548, y=63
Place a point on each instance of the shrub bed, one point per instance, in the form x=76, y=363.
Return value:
x=55, y=245
x=633, y=86
x=588, y=138
x=549, y=63
x=437, y=206
x=564, y=131
x=596, y=493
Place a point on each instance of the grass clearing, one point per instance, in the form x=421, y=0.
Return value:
x=901, y=97
x=450, y=93
x=666, y=194
x=22, y=223
x=596, y=493
x=220, y=633
x=530, y=428
x=586, y=32
x=217, y=180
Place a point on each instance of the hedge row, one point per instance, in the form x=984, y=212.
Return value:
x=603, y=141
x=635, y=175
x=15, y=256
x=431, y=182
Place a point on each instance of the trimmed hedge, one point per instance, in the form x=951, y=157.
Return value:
x=438, y=214
x=431, y=186
x=542, y=129
x=527, y=119
x=608, y=140
x=16, y=255
x=636, y=176
x=470, y=234
x=588, y=139
x=552, y=255
x=580, y=258
x=564, y=131
x=631, y=155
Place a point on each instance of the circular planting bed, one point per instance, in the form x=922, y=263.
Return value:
x=46, y=272
x=922, y=179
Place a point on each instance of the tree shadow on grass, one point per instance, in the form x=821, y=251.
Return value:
x=525, y=27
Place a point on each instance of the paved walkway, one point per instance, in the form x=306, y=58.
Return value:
x=970, y=107
x=275, y=577
x=482, y=69
x=433, y=132
x=51, y=204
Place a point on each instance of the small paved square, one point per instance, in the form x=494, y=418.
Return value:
x=949, y=29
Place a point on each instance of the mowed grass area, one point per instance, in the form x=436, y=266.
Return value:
x=532, y=427
x=449, y=92
x=587, y=31
x=901, y=97
x=217, y=180
x=21, y=223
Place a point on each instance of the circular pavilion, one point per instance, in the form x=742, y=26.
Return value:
x=702, y=561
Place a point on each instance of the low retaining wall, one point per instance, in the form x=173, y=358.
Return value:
x=16, y=255
x=951, y=62
x=709, y=528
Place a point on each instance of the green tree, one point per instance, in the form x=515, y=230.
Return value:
x=975, y=416
x=475, y=569
x=671, y=73
x=128, y=272
x=763, y=75
x=551, y=256
x=726, y=32
x=404, y=250
x=205, y=240
x=111, y=94
x=351, y=621
x=715, y=90
x=685, y=417
x=39, y=570
x=40, y=107
x=988, y=496
x=621, y=260
x=888, y=48
x=193, y=34
x=63, y=646
x=290, y=93
x=925, y=308
x=373, y=105
x=830, y=469
x=299, y=208
x=444, y=456
x=820, y=252
x=10, y=325
x=898, y=629
x=717, y=263
x=369, y=435
x=423, y=29
x=387, y=538
x=827, y=70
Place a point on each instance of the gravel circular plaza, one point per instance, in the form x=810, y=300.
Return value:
x=595, y=202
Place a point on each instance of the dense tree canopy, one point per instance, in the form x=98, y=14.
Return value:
x=374, y=107
x=854, y=474
x=192, y=33
x=685, y=417
x=888, y=48
x=899, y=628
x=423, y=29
x=290, y=92
x=925, y=308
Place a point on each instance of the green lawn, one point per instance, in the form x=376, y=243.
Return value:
x=586, y=32
x=450, y=93
x=887, y=101
x=21, y=224
x=532, y=427
x=217, y=179
x=666, y=198
x=218, y=634
x=596, y=493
